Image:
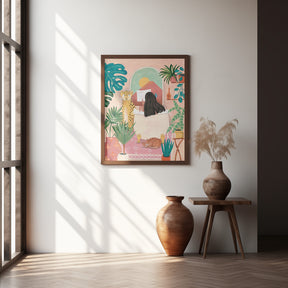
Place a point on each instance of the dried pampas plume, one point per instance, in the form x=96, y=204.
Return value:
x=216, y=144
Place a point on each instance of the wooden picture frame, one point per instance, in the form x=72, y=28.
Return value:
x=145, y=109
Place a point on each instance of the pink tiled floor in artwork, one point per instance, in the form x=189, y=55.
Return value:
x=138, y=151
x=135, y=150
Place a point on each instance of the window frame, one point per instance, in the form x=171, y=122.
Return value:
x=7, y=163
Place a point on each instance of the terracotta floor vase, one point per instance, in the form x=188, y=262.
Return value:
x=174, y=226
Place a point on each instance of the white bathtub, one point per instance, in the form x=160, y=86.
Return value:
x=151, y=126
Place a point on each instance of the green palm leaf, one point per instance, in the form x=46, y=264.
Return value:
x=113, y=117
x=123, y=132
x=168, y=72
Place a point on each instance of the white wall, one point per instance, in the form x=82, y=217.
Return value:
x=77, y=205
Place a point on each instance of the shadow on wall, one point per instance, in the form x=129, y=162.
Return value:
x=92, y=209
x=84, y=204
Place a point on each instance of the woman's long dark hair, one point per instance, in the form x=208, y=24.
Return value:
x=151, y=106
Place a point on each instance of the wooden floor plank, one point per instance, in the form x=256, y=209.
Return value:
x=147, y=270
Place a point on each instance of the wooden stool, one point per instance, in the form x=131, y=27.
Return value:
x=178, y=142
x=220, y=205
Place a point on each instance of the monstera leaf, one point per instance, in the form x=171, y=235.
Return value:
x=108, y=98
x=114, y=79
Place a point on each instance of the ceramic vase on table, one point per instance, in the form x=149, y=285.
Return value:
x=174, y=225
x=217, y=185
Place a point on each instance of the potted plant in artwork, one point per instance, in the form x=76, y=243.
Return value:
x=114, y=116
x=112, y=145
x=179, y=93
x=177, y=121
x=167, y=147
x=124, y=134
x=217, y=144
x=179, y=89
x=168, y=73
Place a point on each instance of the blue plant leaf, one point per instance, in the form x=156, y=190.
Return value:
x=176, y=89
x=179, y=85
x=176, y=96
x=181, y=68
x=180, y=99
x=114, y=79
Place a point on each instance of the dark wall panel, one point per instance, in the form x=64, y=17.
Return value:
x=272, y=117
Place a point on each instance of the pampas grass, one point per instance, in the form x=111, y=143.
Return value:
x=216, y=144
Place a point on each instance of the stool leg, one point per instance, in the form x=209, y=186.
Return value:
x=210, y=223
x=234, y=221
x=232, y=230
x=176, y=151
x=204, y=229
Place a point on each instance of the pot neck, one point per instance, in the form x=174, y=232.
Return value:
x=216, y=165
x=175, y=198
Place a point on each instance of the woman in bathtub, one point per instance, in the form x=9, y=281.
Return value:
x=151, y=106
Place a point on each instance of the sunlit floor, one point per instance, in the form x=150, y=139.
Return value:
x=148, y=270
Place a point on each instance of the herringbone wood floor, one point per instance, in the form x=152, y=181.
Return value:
x=148, y=270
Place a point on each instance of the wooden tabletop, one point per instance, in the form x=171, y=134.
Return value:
x=227, y=201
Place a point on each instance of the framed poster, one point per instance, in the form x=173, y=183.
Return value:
x=145, y=109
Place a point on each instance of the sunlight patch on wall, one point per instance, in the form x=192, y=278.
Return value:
x=71, y=55
x=94, y=83
x=77, y=222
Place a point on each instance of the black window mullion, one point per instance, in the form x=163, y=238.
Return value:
x=18, y=103
x=24, y=72
x=18, y=211
x=1, y=49
x=7, y=151
x=7, y=214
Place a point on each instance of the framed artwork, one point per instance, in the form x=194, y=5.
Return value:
x=145, y=109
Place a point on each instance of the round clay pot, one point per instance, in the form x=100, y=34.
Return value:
x=112, y=148
x=173, y=79
x=181, y=78
x=163, y=158
x=216, y=185
x=123, y=157
x=179, y=134
x=174, y=226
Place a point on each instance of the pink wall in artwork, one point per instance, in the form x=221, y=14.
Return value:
x=132, y=65
x=155, y=89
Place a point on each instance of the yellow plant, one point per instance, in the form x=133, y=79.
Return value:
x=216, y=144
